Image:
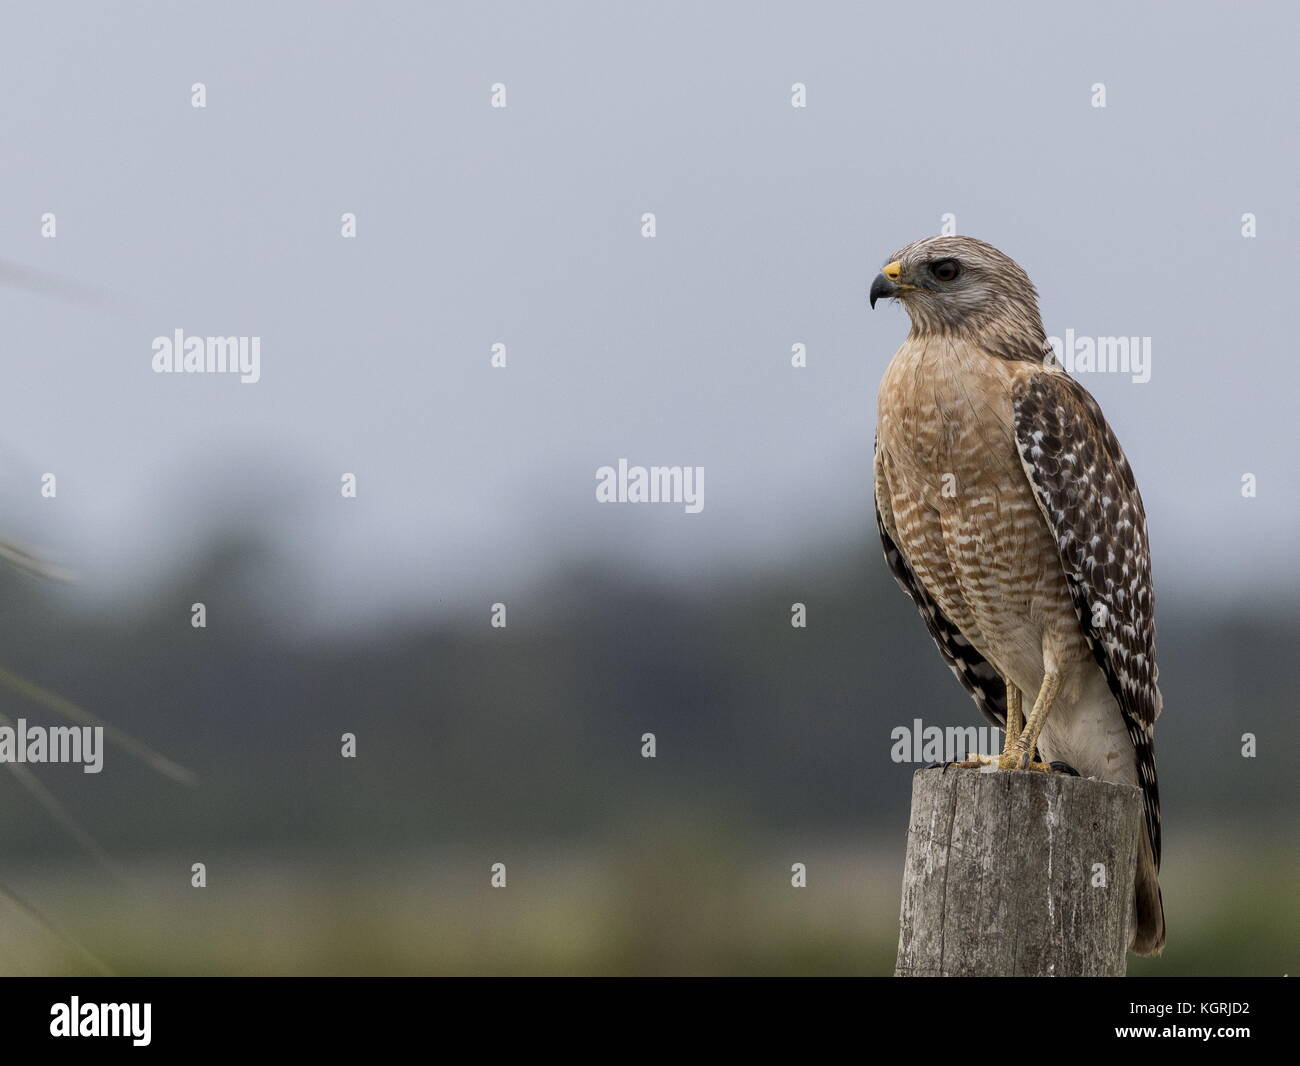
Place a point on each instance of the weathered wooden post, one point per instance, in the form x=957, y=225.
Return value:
x=1017, y=874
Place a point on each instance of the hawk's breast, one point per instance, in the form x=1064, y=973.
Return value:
x=964, y=514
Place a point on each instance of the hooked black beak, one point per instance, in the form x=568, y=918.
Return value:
x=882, y=288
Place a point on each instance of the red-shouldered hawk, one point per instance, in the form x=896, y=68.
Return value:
x=1010, y=515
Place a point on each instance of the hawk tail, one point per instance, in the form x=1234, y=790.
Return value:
x=1149, y=924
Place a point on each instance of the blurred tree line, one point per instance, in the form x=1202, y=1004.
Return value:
x=466, y=731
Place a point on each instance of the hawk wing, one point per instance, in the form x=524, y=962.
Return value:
x=1089, y=498
x=976, y=674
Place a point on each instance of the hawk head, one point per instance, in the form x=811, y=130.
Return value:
x=958, y=283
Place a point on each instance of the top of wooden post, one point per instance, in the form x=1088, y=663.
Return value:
x=1018, y=873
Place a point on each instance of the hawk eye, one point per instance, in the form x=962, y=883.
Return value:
x=945, y=269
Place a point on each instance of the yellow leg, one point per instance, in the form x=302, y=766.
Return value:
x=1019, y=750
x=1024, y=745
x=1015, y=717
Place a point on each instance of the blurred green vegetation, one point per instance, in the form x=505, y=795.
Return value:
x=478, y=745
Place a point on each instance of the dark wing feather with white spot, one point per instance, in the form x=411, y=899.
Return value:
x=1088, y=495
x=977, y=676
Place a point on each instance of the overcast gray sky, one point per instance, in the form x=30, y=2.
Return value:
x=522, y=225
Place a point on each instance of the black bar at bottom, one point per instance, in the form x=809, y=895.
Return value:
x=612, y=1016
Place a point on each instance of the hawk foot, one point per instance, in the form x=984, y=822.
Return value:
x=1008, y=760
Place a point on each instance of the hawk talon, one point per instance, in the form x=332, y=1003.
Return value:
x=1008, y=760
